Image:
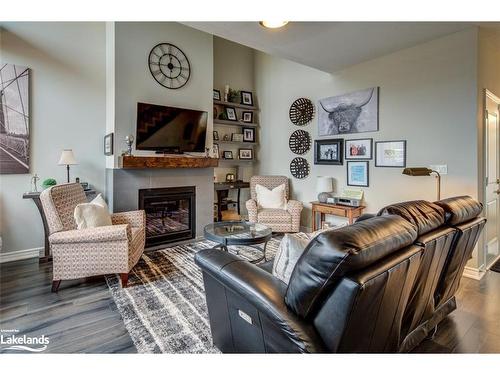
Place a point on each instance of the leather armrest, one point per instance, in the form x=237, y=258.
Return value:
x=365, y=217
x=262, y=290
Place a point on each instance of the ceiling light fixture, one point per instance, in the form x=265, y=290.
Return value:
x=273, y=24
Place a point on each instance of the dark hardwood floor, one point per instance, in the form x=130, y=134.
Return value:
x=82, y=317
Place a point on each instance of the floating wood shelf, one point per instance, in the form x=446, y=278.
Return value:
x=236, y=143
x=166, y=162
x=235, y=123
x=236, y=105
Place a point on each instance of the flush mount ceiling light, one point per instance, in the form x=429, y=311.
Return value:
x=273, y=24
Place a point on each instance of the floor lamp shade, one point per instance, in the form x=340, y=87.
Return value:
x=67, y=158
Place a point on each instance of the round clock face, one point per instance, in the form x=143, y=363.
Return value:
x=169, y=66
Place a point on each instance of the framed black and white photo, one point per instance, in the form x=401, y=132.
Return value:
x=245, y=153
x=247, y=116
x=359, y=149
x=329, y=151
x=246, y=98
x=390, y=154
x=228, y=155
x=108, y=144
x=216, y=94
x=231, y=113
x=248, y=135
x=216, y=135
x=357, y=173
x=237, y=137
x=215, y=150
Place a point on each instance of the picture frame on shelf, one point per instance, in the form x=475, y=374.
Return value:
x=359, y=149
x=358, y=173
x=237, y=137
x=245, y=154
x=228, y=155
x=390, y=154
x=231, y=113
x=108, y=144
x=217, y=95
x=246, y=98
x=248, y=135
x=329, y=151
x=215, y=150
x=247, y=116
x=216, y=135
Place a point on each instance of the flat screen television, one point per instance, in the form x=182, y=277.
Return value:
x=170, y=129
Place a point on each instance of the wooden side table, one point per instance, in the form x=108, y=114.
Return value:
x=334, y=209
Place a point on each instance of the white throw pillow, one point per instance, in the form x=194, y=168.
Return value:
x=275, y=198
x=93, y=214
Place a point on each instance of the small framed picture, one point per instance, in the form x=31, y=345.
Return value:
x=246, y=98
x=228, y=155
x=329, y=151
x=247, y=116
x=390, y=154
x=215, y=150
x=360, y=149
x=216, y=94
x=216, y=135
x=231, y=113
x=245, y=153
x=237, y=137
x=357, y=173
x=248, y=135
x=108, y=144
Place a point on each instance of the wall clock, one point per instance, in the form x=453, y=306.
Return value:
x=299, y=168
x=301, y=112
x=299, y=142
x=169, y=66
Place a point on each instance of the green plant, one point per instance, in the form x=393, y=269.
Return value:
x=233, y=96
x=223, y=116
x=48, y=183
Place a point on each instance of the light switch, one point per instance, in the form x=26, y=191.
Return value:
x=442, y=169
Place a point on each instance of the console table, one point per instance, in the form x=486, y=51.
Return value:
x=36, y=198
x=334, y=209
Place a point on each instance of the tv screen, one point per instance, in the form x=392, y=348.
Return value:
x=170, y=129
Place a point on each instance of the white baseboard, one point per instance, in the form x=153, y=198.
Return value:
x=12, y=256
x=473, y=273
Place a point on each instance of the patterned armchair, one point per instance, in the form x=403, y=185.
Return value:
x=279, y=220
x=81, y=253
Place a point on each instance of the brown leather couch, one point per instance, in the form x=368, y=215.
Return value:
x=380, y=285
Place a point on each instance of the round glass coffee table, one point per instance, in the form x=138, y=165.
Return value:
x=243, y=233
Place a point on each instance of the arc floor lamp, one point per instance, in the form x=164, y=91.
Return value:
x=423, y=171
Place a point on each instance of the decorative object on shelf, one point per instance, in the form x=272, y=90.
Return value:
x=360, y=149
x=245, y=153
x=226, y=138
x=169, y=66
x=248, y=135
x=216, y=95
x=207, y=152
x=129, y=141
x=230, y=177
x=329, y=151
x=15, y=119
x=356, y=112
x=424, y=171
x=299, y=142
x=34, y=181
x=108, y=144
x=222, y=115
x=390, y=154
x=301, y=112
x=237, y=137
x=228, y=155
x=357, y=173
x=216, y=135
x=233, y=96
x=246, y=98
x=247, y=116
x=67, y=158
x=231, y=113
x=48, y=183
x=215, y=151
x=299, y=168
x=324, y=187
x=215, y=112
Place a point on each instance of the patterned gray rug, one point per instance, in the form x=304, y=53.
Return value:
x=164, y=307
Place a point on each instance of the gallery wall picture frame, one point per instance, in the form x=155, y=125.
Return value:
x=358, y=173
x=215, y=149
x=236, y=137
x=228, y=155
x=359, y=149
x=245, y=154
x=248, y=134
x=329, y=151
x=231, y=113
x=246, y=98
x=216, y=135
x=216, y=95
x=390, y=154
x=247, y=116
x=108, y=144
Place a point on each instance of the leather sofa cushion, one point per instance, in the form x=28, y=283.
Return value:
x=426, y=216
x=460, y=209
x=332, y=254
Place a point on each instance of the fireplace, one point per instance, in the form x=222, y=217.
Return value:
x=170, y=214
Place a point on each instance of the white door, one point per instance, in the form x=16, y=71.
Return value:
x=492, y=186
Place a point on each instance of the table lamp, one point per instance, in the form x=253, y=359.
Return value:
x=324, y=186
x=67, y=159
x=424, y=171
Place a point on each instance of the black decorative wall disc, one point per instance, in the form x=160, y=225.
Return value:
x=299, y=167
x=300, y=142
x=301, y=111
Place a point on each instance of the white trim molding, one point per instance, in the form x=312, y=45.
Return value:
x=12, y=256
x=473, y=273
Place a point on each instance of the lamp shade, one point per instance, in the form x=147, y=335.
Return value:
x=324, y=184
x=67, y=158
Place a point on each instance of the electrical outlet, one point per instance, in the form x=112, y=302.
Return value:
x=442, y=169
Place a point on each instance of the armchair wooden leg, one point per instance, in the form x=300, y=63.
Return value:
x=124, y=278
x=55, y=285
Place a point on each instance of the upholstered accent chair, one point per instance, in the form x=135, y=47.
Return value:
x=277, y=219
x=79, y=253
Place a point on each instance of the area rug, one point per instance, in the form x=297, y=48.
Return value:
x=164, y=307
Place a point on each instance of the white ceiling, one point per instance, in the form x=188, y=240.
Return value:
x=330, y=46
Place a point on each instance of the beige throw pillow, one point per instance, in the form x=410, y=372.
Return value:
x=93, y=214
x=275, y=198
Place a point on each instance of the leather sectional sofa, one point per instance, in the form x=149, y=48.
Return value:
x=382, y=284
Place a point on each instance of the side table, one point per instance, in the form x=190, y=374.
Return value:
x=334, y=209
